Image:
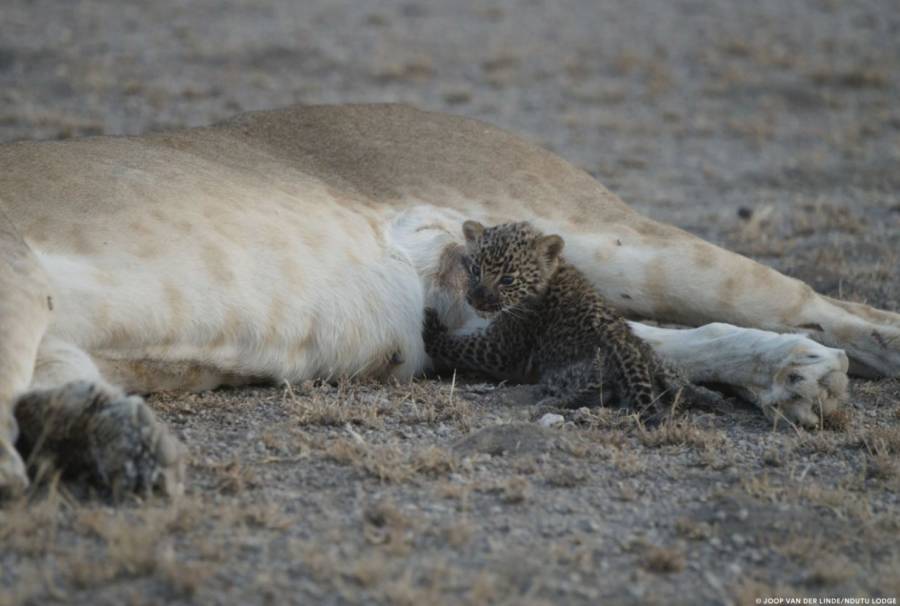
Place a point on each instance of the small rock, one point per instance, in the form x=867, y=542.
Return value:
x=551, y=420
x=508, y=439
x=588, y=525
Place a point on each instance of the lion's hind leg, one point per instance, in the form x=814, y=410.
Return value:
x=788, y=376
x=93, y=430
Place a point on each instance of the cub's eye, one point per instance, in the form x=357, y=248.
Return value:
x=470, y=265
x=505, y=280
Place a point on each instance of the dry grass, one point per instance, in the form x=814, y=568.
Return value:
x=417, y=69
x=456, y=491
x=862, y=76
x=421, y=402
x=750, y=592
x=804, y=548
x=460, y=533
x=681, y=433
x=322, y=404
x=693, y=530
x=882, y=440
x=233, y=477
x=566, y=478
x=841, y=498
x=385, y=525
x=822, y=443
x=662, y=560
x=831, y=570
x=838, y=421
x=389, y=463
x=513, y=490
x=578, y=553
x=516, y=490
x=137, y=544
x=882, y=467
x=30, y=527
x=629, y=463
x=604, y=419
x=775, y=457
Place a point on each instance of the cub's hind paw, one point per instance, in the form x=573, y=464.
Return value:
x=112, y=439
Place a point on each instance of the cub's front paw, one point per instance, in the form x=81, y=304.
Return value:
x=432, y=329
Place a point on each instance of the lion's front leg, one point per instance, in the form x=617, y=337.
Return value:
x=786, y=375
x=648, y=270
x=25, y=311
x=95, y=431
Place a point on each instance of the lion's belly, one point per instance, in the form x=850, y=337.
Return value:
x=270, y=293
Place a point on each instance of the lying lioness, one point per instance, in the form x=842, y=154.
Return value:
x=307, y=242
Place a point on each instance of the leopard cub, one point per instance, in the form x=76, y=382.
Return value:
x=551, y=327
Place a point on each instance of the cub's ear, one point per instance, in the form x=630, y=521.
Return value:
x=472, y=230
x=550, y=247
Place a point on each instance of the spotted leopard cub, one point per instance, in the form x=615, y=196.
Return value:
x=550, y=327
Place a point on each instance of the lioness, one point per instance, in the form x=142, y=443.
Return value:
x=306, y=242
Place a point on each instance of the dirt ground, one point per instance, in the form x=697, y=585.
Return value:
x=770, y=127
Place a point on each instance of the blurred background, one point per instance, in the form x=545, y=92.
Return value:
x=772, y=127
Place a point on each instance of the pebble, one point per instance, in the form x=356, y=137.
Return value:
x=588, y=525
x=551, y=420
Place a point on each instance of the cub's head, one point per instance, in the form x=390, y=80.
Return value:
x=508, y=265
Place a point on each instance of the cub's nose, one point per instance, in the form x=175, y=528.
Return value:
x=476, y=296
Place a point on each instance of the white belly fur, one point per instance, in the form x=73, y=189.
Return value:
x=351, y=305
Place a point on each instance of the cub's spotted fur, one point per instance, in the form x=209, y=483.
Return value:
x=552, y=327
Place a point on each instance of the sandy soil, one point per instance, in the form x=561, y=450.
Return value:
x=770, y=127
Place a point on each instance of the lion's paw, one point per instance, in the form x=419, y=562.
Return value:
x=132, y=451
x=13, y=479
x=808, y=385
x=112, y=438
